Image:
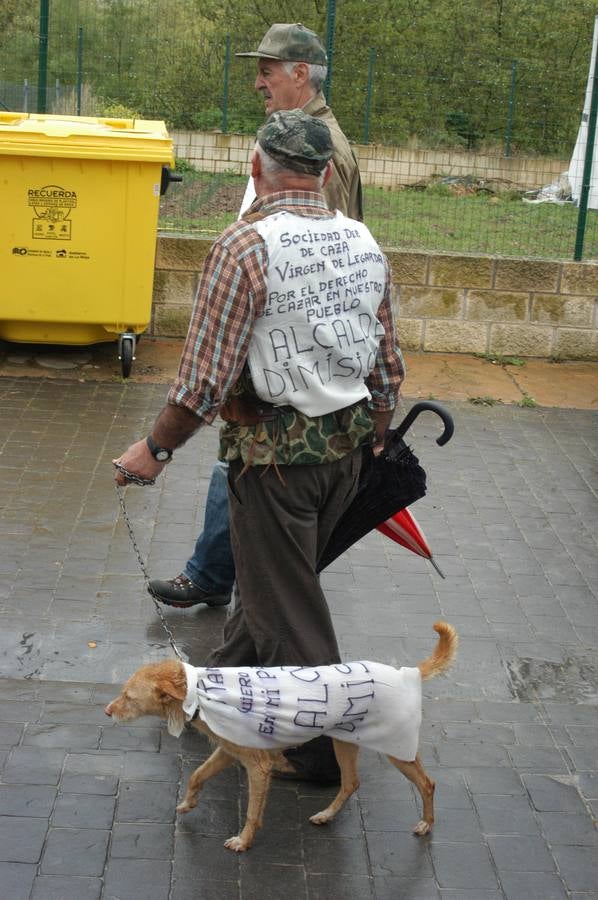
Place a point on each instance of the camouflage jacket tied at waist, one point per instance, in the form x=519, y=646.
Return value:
x=295, y=439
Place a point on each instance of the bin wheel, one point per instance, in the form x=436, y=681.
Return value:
x=127, y=354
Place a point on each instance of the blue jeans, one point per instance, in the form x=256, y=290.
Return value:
x=211, y=567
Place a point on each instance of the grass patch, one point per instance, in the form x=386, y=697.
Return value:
x=527, y=402
x=498, y=360
x=484, y=401
x=430, y=219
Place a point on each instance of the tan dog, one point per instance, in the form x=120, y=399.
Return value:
x=163, y=689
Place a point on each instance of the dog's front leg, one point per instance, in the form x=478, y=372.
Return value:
x=215, y=763
x=346, y=757
x=416, y=773
x=258, y=765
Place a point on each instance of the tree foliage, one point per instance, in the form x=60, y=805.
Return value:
x=443, y=68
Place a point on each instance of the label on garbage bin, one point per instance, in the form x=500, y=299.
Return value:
x=52, y=205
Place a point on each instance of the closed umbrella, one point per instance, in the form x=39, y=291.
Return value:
x=404, y=530
x=387, y=484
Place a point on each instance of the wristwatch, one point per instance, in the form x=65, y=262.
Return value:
x=161, y=454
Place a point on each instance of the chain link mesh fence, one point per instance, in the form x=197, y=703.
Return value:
x=463, y=140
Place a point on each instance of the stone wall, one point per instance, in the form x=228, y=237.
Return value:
x=443, y=302
x=379, y=165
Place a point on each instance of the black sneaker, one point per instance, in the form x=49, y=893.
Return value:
x=182, y=593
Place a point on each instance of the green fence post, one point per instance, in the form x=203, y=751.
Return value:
x=79, y=68
x=42, y=72
x=587, y=171
x=330, y=20
x=511, y=108
x=225, y=86
x=368, y=99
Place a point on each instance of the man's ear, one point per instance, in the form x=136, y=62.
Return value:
x=300, y=74
x=256, y=165
x=328, y=172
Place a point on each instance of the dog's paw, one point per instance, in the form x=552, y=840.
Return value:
x=235, y=843
x=422, y=828
x=320, y=818
x=185, y=807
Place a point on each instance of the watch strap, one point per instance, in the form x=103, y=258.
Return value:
x=162, y=454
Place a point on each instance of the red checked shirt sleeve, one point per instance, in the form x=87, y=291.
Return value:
x=231, y=293
x=384, y=382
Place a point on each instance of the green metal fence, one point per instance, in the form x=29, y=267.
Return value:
x=456, y=131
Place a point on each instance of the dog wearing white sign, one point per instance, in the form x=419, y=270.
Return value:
x=251, y=714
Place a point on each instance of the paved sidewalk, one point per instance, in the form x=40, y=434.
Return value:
x=510, y=735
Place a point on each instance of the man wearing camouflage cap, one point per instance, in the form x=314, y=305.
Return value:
x=291, y=68
x=291, y=339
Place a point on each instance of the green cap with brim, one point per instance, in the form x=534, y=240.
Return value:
x=296, y=141
x=292, y=43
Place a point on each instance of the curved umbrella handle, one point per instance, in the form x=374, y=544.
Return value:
x=416, y=409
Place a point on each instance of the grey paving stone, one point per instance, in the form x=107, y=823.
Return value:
x=63, y=887
x=137, y=879
x=550, y=794
x=568, y=828
x=89, y=784
x=123, y=737
x=349, y=887
x=138, y=804
x=493, y=781
x=21, y=838
x=334, y=855
x=578, y=867
x=520, y=853
x=500, y=814
x=185, y=889
x=529, y=734
x=398, y=854
x=532, y=886
x=151, y=766
x=102, y=763
x=463, y=866
x=506, y=712
x=547, y=760
x=470, y=895
x=390, y=888
x=210, y=816
x=266, y=884
x=10, y=734
x=16, y=880
x=138, y=841
x=27, y=800
x=71, y=737
x=75, y=851
x=26, y=765
x=456, y=753
x=83, y=811
x=204, y=858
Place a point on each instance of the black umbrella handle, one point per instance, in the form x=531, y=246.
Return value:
x=416, y=409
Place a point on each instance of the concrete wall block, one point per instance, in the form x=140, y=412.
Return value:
x=576, y=343
x=174, y=289
x=521, y=340
x=497, y=306
x=180, y=253
x=563, y=310
x=527, y=275
x=408, y=268
x=455, y=337
x=432, y=303
x=579, y=278
x=410, y=333
x=171, y=321
x=461, y=271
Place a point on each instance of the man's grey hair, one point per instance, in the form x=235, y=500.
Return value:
x=317, y=74
x=271, y=168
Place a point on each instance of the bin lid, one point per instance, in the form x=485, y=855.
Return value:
x=84, y=137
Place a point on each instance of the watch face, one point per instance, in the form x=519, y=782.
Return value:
x=162, y=455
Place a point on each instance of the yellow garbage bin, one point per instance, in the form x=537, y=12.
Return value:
x=79, y=199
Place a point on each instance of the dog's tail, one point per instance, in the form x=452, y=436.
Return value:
x=444, y=652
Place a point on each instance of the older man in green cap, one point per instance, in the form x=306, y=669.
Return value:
x=292, y=340
x=291, y=68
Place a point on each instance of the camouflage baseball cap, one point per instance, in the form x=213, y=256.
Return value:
x=296, y=141
x=294, y=43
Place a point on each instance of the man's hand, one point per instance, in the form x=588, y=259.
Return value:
x=138, y=461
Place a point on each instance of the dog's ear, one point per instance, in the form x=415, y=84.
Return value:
x=175, y=720
x=171, y=689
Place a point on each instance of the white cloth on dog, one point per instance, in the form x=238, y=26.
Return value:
x=365, y=703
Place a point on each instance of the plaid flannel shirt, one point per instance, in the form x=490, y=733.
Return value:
x=232, y=294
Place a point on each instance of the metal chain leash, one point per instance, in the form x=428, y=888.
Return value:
x=142, y=481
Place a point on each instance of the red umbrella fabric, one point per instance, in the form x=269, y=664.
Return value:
x=404, y=530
